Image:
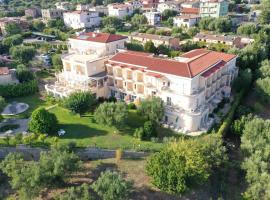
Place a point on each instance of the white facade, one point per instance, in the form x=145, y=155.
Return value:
x=81, y=19
x=167, y=6
x=185, y=21
x=83, y=66
x=120, y=10
x=188, y=100
x=135, y=4
x=153, y=18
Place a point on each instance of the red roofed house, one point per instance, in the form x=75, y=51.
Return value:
x=189, y=11
x=83, y=66
x=191, y=85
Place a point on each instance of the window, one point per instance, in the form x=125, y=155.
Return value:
x=169, y=101
x=169, y=83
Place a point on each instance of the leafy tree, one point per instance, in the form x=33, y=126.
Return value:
x=38, y=25
x=74, y=193
x=111, y=186
x=138, y=20
x=264, y=17
x=262, y=88
x=2, y=103
x=30, y=177
x=264, y=70
x=111, y=113
x=151, y=31
x=109, y=30
x=134, y=46
x=12, y=40
x=168, y=13
x=186, y=163
x=57, y=62
x=243, y=80
x=112, y=22
x=163, y=49
x=22, y=53
x=247, y=29
x=56, y=23
x=23, y=74
x=12, y=29
x=42, y=121
x=204, y=23
x=239, y=125
x=79, y=102
x=152, y=109
x=255, y=147
x=150, y=47
x=149, y=129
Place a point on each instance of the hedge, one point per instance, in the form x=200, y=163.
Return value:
x=230, y=116
x=18, y=90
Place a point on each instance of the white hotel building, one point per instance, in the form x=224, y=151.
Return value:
x=191, y=86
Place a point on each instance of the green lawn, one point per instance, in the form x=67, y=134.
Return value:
x=85, y=132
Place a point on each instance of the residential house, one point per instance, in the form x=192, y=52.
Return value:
x=214, y=8
x=136, y=4
x=7, y=76
x=83, y=66
x=186, y=20
x=19, y=21
x=168, y=5
x=83, y=7
x=191, y=4
x=233, y=41
x=34, y=12
x=103, y=10
x=153, y=18
x=48, y=14
x=149, y=4
x=189, y=11
x=120, y=10
x=81, y=19
x=191, y=86
x=169, y=41
x=64, y=5
x=238, y=18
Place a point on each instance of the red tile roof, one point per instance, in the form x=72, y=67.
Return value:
x=100, y=37
x=194, y=11
x=198, y=61
x=4, y=71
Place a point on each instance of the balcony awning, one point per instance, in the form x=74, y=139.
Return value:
x=156, y=75
x=98, y=76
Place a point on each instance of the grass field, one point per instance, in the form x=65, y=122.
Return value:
x=86, y=133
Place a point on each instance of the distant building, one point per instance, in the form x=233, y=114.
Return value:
x=63, y=5
x=48, y=14
x=169, y=5
x=233, y=41
x=189, y=11
x=83, y=6
x=153, y=18
x=191, y=4
x=237, y=19
x=169, y=41
x=7, y=76
x=254, y=15
x=186, y=20
x=21, y=22
x=148, y=4
x=81, y=19
x=84, y=65
x=120, y=10
x=134, y=3
x=214, y=8
x=33, y=12
x=100, y=9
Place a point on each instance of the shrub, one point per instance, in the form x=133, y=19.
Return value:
x=9, y=127
x=131, y=106
x=149, y=129
x=186, y=163
x=139, y=133
x=74, y=193
x=18, y=90
x=111, y=186
x=23, y=74
x=42, y=121
x=79, y=102
x=111, y=114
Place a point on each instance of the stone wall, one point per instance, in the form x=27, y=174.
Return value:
x=32, y=153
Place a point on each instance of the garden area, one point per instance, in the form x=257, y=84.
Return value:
x=84, y=131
